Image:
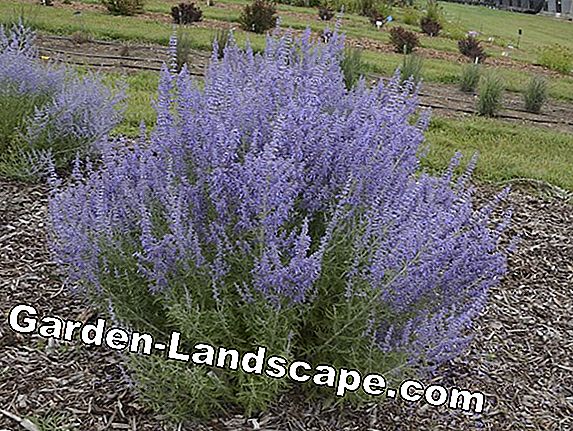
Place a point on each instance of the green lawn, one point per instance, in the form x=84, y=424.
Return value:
x=503, y=26
x=506, y=151
x=104, y=26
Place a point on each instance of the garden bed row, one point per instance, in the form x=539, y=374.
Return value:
x=447, y=100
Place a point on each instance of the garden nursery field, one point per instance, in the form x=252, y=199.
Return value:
x=303, y=215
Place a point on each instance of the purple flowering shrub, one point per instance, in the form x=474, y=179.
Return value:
x=48, y=109
x=275, y=207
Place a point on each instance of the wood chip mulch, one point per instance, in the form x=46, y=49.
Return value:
x=521, y=358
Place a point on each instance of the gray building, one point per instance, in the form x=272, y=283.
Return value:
x=559, y=7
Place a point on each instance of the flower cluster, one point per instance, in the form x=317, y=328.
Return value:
x=276, y=185
x=54, y=108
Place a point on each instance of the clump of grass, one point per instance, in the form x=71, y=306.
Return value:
x=222, y=36
x=80, y=37
x=490, y=96
x=469, y=79
x=183, y=50
x=352, y=66
x=535, y=94
x=412, y=65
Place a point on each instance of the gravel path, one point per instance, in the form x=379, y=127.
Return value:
x=522, y=356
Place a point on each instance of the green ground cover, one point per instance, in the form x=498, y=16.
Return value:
x=536, y=34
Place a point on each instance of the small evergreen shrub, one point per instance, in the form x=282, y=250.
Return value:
x=469, y=79
x=490, y=97
x=325, y=13
x=411, y=69
x=556, y=57
x=124, y=7
x=471, y=48
x=535, y=94
x=404, y=41
x=186, y=13
x=272, y=207
x=352, y=66
x=46, y=109
x=259, y=16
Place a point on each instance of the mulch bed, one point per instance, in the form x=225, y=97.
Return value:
x=521, y=358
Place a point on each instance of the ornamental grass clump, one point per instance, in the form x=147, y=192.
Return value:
x=411, y=69
x=274, y=207
x=470, y=77
x=490, y=96
x=352, y=66
x=46, y=109
x=535, y=94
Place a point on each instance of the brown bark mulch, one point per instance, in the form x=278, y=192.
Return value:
x=522, y=355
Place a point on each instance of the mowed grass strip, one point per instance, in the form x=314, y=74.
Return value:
x=506, y=151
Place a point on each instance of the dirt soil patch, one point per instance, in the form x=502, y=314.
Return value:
x=522, y=355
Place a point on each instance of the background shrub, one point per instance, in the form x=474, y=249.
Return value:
x=411, y=69
x=186, y=13
x=404, y=41
x=47, y=109
x=430, y=26
x=471, y=48
x=470, y=77
x=325, y=13
x=259, y=16
x=338, y=251
x=490, y=97
x=556, y=57
x=535, y=94
x=124, y=7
